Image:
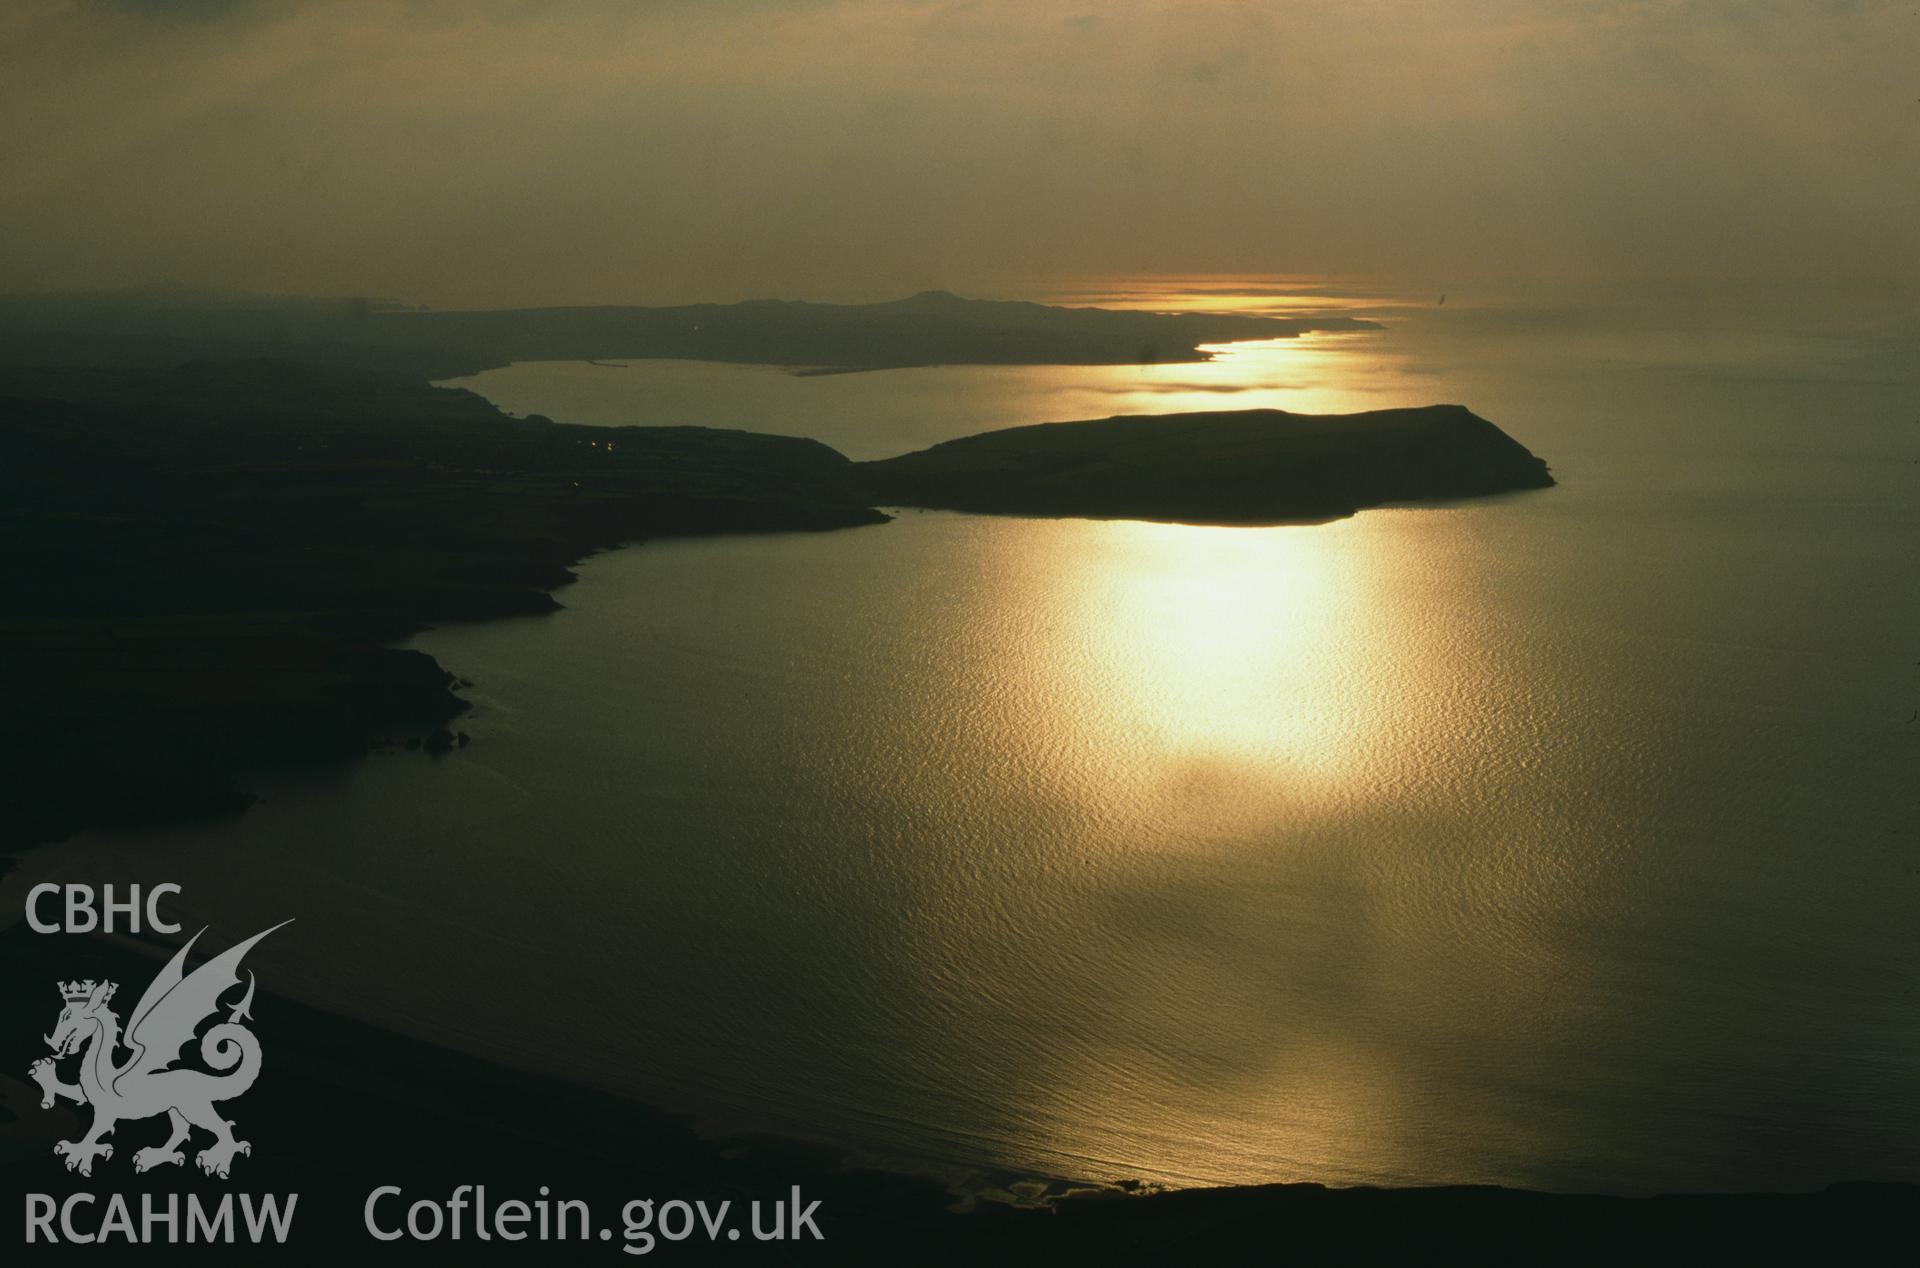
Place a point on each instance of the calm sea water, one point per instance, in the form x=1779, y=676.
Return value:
x=1564, y=840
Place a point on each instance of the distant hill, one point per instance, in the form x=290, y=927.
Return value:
x=167, y=327
x=1227, y=467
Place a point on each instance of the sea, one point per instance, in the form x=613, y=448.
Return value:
x=1568, y=839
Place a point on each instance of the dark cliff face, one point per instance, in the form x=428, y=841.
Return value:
x=1242, y=467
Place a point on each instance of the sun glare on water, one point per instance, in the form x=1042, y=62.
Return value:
x=1318, y=371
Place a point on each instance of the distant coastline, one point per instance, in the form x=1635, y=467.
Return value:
x=931, y=328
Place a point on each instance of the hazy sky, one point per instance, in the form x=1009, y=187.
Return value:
x=496, y=151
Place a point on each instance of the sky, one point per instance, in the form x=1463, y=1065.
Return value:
x=507, y=152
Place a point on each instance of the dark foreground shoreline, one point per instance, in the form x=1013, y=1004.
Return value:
x=343, y=1108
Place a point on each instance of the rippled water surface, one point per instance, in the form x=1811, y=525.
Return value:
x=1566, y=839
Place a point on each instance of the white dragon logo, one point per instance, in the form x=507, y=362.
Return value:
x=161, y=1025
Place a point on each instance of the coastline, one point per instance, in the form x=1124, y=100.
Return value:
x=214, y=559
x=612, y=1148
x=930, y=328
x=293, y=520
x=344, y=1107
